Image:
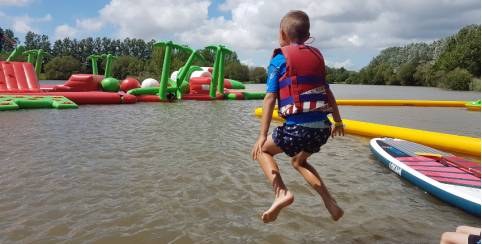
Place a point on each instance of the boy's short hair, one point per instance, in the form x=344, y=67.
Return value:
x=296, y=23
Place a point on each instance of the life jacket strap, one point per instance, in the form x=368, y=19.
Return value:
x=303, y=98
x=301, y=80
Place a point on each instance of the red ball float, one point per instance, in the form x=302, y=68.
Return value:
x=129, y=84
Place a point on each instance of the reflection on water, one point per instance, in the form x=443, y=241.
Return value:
x=180, y=173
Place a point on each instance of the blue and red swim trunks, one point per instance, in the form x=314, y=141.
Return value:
x=293, y=139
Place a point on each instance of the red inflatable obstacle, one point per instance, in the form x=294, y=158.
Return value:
x=80, y=83
x=151, y=98
x=201, y=85
x=202, y=97
x=91, y=97
x=47, y=88
x=18, y=77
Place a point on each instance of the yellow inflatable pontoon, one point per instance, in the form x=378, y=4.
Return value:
x=442, y=141
x=473, y=106
x=418, y=103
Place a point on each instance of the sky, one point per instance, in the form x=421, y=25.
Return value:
x=348, y=33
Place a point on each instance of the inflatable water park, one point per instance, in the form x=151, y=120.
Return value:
x=407, y=152
x=189, y=83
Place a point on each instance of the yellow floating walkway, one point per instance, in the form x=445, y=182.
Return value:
x=437, y=140
x=417, y=103
x=473, y=107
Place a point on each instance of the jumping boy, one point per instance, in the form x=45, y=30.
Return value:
x=297, y=78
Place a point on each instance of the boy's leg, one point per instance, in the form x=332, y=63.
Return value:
x=468, y=230
x=313, y=178
x=454, y=238
x=283, y=196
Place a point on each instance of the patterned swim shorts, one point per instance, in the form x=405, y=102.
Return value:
x=293, y=139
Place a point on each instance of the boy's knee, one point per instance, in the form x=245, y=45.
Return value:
x=460, y=229
x=445, y=237
x=296, y=163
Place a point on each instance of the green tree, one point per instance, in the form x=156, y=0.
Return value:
x=57, y=49
x=342, y=74
x=61, y=68
x=352, y=78
x=7, y=46
x=210, y=57
x=32, y=41
x=463, y=51
x=405, y=74
x=229, y=59
x=125, y=66
x=458, y=79
x=426, y=75
x=330, y=78
x=237, y=71
x=258, y=75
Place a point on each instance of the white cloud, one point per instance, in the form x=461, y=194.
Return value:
x=82, y=26
x=355, y=40
x=335, y=24
x=248, y=62
x=146, y=19
x=65, y=30
x=346, y=64
x=339, y=26
x=151, y=18
x=15, y=2
x=22, y=24
x=89, y=24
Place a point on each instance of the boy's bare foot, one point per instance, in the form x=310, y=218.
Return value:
x=283, y=200
x=335, y=210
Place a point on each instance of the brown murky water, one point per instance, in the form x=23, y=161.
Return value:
x=181, y=173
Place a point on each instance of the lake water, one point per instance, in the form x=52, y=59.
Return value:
x=181, y=173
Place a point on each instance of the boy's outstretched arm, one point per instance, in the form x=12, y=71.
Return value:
x=336, y=115
x=268, y=107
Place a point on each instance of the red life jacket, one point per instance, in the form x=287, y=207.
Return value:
x=303, y=87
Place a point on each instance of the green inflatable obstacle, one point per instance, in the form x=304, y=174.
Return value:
x=254, y=95
x=476, y=103
x=236, y=84
x=15, y=102
x=31, y=54
x=94, y=59
x=16, y=53
x=110, y=85
x=218, y=69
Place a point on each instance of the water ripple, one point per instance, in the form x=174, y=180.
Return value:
x=181, y=173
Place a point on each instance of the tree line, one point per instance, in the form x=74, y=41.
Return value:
x=137, y=59
x=452, y=62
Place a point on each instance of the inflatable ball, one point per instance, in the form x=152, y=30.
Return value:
x=129, y=84
x=110, y=85
x=149, y=82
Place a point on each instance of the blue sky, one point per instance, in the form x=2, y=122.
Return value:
x=348, y=33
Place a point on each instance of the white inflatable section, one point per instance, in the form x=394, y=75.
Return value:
x=174, y=75
x=201, y=74
x=149, y=82
x=193, y=74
